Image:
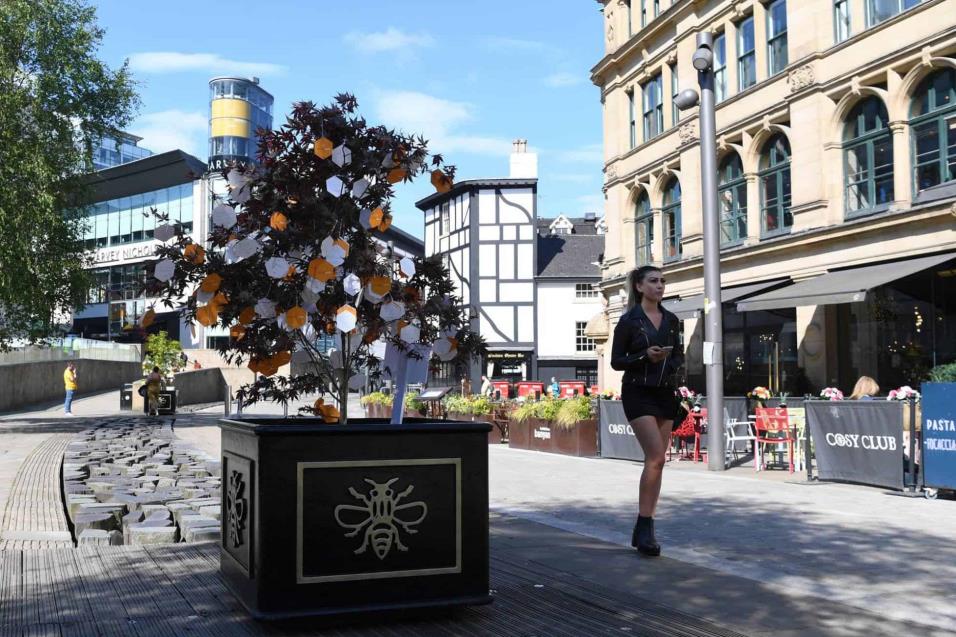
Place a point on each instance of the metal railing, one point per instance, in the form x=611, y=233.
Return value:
x=63, y=349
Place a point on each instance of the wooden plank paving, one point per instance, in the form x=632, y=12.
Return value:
x=34, y=517
x=176, y=590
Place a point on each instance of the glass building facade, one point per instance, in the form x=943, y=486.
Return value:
x=238, y=107
x=129, y=219
x=113, y=151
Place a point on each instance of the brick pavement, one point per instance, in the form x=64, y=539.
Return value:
x=861, y=546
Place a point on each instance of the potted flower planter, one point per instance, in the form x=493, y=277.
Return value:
x=342, y=519
x=541, y=435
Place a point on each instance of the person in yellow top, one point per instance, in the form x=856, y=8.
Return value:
x=154, y=384
x=69, y=384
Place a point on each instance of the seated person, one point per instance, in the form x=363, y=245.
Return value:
x=865, y=389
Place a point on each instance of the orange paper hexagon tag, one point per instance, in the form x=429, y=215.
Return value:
x=236, y=332
x=195, y=254
x=321, y=270
x=295, y=317
x=440, y=181
x=380, y=285
x=395, y=175
x=148, y=317
x=278, y=221
x=375, y=219
x=211, y=283
x=323, y=148
x=247, y=315
x=386, y=223
x=207, y=315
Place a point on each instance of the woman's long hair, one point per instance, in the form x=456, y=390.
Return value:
x=865, y=386
x=635, y=277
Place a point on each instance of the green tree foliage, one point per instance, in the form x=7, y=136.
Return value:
x=163, y=352
x=56, y=100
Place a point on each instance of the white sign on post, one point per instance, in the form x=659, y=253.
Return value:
x=402, y=370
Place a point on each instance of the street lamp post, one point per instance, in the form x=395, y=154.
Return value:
x=703, y=61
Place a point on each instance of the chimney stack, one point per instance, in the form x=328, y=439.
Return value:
x=524, y=165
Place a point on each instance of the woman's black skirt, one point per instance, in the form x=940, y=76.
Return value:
x=641, y=400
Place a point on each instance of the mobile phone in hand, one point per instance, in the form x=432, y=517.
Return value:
x=668, y=349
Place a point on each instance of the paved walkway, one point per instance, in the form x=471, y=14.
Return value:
x=34, y=517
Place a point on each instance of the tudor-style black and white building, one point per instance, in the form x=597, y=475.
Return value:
x=502, y=258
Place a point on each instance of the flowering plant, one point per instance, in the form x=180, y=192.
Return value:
x=760, y=393
x=831, y=393
x=903, y=393
x=610, y=394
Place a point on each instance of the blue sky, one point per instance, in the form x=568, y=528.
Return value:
x=470, y=76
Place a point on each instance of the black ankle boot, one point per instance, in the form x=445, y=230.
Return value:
x=642, y=538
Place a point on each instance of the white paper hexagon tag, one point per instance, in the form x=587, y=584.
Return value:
x=335, y=359
x=241, y=195
x=223, y=215
x=352, y=285
x=333, y=252
x=277, y=267
x=314, y=285
x=164, y=270
x=204, y=297
x=265, y=308
x=407, y=267
x=357, y=381
x=236, y=178
x=365, y=218
x=392, y=311
x=246, y=248
x=359, y=188
x=308, y=296
x=335, y=186
x=346, y=318
x=164, y=232
x=342, y=156
x=410, y=333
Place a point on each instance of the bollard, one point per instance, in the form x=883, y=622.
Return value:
x=285, y=410
x=911, y=465
x=227, y=401
x=238, y=407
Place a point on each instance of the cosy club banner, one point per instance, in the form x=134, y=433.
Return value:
x=617, y=436
x=858, y=441
x=939, y=434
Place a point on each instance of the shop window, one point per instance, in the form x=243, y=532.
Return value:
x=644, y=222
x=670, y=216
x=582, y=343
x=732, y=195
x=775, y=198
x=777, y=57
x=868, y=158
x=933, y=122
x=588, y=375
x=585, y=291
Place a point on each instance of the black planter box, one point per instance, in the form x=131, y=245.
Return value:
x=337, y=520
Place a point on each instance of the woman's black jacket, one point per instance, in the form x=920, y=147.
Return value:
x=633, y=335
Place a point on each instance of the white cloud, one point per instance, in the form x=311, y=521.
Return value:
x=592, y=153
x=438, y=120
x=172, y=129
x=591, y=203
x=561, y=80
x=209, y=63
x=391, y=39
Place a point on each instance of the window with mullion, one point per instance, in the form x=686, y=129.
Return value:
x=630, y=29
x=653, y=107
x=632, y=118
x=880, y=10
x=841, y=20
x=868, y=157
x=675, y=89
x=644, y=222
x=775, y=196
x=671, y=219
x=933, y=124
x=720, y=67
x=777, y=57
x=643, y=13
x=732, y=196
x=657, y=8
x=746, y=55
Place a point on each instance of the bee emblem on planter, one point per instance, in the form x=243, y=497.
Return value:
x=380, y=516
x=236, y=508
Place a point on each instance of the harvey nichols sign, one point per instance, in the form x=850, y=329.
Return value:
x=126, y=253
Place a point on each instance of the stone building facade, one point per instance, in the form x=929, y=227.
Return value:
x=836, y=126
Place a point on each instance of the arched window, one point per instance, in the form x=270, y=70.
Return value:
x=933, y=120
x=644, y=220
x=775, y=215
x=868, y=152
x=670, y=216
x=732, y=195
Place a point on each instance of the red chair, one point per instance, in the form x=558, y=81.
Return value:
x=530, y=389
x=502, y=386
x=773, y=427
x=691, y=427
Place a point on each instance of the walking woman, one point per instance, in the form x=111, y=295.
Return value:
x=647, y=349
x=154, y=384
